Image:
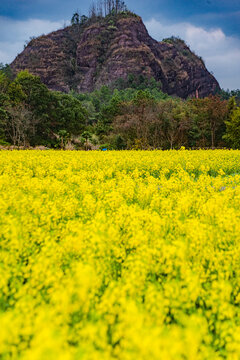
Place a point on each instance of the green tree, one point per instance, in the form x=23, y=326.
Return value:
x=4, y=82
x=209, y=115
x=38, y=97
x=86, y=137
x=174, y=123
x=232, y=135
x=19, y=124
x=42, y=103
x=17, y=119
x=7, y=71
x=83, y=20
x=70, y=115
x=107, y=114
x=75, y=20
x=3, y=117
x=64, y=137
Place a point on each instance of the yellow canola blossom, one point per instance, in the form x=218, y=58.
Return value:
x=120, y=255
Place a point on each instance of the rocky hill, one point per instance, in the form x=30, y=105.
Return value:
x=84, y=57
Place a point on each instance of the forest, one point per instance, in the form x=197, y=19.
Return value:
x=128, y=114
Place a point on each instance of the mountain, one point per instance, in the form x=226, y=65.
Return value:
x=102, y=50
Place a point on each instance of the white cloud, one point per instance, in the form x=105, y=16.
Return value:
x=13, y=34
x=220, y=52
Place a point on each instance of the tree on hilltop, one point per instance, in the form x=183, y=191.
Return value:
x=100, y=8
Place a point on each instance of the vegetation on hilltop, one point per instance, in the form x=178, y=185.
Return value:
x=101, y=9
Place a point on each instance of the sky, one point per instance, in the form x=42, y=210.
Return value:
x=210, y=27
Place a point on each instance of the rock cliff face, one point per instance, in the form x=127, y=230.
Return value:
x=85, y=57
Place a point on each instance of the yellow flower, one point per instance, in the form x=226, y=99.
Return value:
x=122, y=255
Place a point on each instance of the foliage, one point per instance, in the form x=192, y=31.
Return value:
x=131, y=113
x=71, y=115
x=75, y=20
x=227, y=94
x=209, y=114
x=232, y=135
x=63, y=137
x=138, y=82
x=146, y=123
x=182, y=47
x=108, y=9
x=174, y=40
x=31, y=114
x=6, y=70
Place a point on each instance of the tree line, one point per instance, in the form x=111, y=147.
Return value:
x=31, y=115
x=130, y=114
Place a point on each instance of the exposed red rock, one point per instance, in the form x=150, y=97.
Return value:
x=84, y=58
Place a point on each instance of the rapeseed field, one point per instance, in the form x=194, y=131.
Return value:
x=120, y=255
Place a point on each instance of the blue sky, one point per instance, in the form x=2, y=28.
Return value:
x=210, y=27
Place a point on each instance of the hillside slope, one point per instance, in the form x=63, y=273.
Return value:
x=85, y=57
